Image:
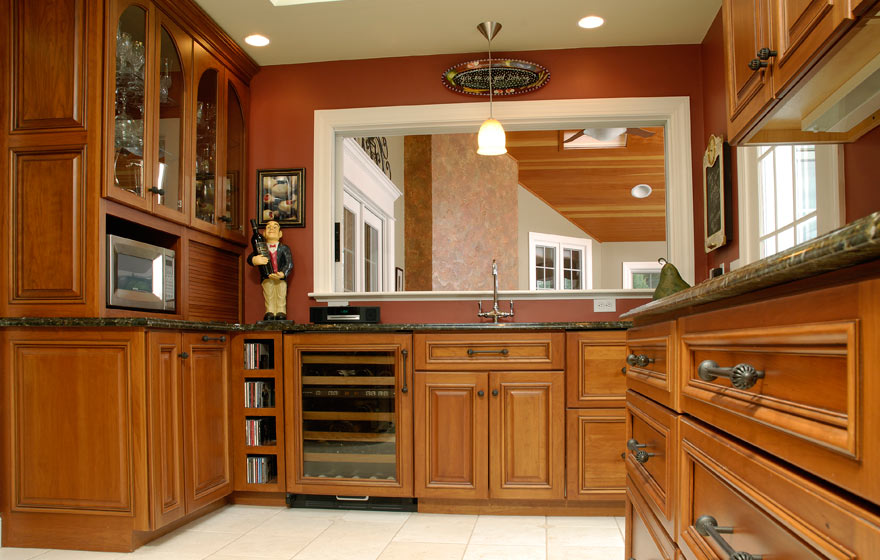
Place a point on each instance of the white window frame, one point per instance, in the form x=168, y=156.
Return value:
x=829, y=197
x=370, y=195
x=635, y=267
x=560, y=243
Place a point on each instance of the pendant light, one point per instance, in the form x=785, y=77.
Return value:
x=490, y=140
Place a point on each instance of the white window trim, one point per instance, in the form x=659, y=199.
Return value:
x=829, y=200
x=364, y=182
x=561, y=243
x=331, y=125
x=637, y=266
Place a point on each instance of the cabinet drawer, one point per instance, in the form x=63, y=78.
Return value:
x=650, y=362
x=814, y=393
x=645, y=537
x=595, y=368
x=772, y=511
x=596, y=444
x=652, y=434
x=479, y=351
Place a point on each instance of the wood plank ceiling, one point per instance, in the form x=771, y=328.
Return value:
x=591, y=187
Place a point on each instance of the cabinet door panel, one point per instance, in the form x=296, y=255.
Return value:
x=805, y=29
x=451, y=436
x=206, y=410
x=206, y=109
x=527, y=441
x=166, y=428
x=749, y=92
x=596, y=443
x=233, y=191
x=594, y=364
x=75, y=431
x=57, y=58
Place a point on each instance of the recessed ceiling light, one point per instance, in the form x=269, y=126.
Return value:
x=256, y=40
x=641, y=191
x=297, y=2
x=591, y=22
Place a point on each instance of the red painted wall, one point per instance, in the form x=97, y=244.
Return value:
x=281, y=126
x=715, y=122
x=860, y=175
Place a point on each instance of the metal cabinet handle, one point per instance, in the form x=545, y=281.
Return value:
x=742, y=376
x=183, y=355
x=207, y=338
x=640, y=361
x=757, y=64
x=352, y=498
x=157, y=190
x=480, y=393
x=404, y=353
x=765, y=53
x=707, y=526
x=471, y=352
x=639, y=454
x=494, y=392
x=623, y=370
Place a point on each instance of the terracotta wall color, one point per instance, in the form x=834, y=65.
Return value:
x=715, y=122
x=283, y=99
x=475, y=215
x=418, y=213
x=861, y=160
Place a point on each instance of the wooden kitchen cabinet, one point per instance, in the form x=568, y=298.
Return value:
x=594, y=454
x=595, y=364
x=190, y=458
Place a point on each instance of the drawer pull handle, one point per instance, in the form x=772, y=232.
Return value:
x=640, y=361
x=207, y=338
x=471, y=352
x=404, y=353
x=639, y=454
x=742, y=376
x=707, y=526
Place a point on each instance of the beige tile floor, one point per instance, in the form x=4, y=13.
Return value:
x=275, y=533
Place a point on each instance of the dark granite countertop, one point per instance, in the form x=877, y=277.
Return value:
x=854, y=243
x=290, y=326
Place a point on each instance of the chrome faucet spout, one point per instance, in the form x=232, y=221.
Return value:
x=496, y=313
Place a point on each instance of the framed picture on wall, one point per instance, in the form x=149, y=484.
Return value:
x=281, y=197
x=714, y=194
x=398, y=279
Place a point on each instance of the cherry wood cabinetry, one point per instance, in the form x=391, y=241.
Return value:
x=646, y=539
x=595, y=386
x=50, y=165
x=651, y=362
x=509, y=441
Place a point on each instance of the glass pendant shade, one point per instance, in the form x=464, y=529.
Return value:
x=491, y=139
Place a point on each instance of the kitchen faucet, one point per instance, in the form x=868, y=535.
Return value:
x=495, y=313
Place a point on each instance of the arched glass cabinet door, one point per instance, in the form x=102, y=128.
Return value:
x=206, y=147
x=171, y=94
x=233, y=215
x=128, y=163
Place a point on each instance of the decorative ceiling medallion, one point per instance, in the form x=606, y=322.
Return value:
x=510, y=77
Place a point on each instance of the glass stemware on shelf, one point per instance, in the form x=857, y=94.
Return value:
x=129, y=112
x=206, y=125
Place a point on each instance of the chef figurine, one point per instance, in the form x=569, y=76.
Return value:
x=274, y=284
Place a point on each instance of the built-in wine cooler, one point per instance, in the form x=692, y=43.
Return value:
x=353, y=415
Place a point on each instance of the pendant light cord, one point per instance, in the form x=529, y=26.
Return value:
x=490, y=78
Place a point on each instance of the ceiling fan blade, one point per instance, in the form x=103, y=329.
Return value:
x=640, y=132
x=574, y=136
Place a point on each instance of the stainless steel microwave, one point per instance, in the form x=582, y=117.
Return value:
x=139, y=275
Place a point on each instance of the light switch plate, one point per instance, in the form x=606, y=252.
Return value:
x=604, y=305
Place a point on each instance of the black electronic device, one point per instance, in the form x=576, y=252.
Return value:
x=344, y=314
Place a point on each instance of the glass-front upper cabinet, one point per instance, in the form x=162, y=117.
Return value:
x=208, y=77
x=151, y=60
x=236, y=158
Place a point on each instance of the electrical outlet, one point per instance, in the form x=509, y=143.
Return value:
x=604, y=305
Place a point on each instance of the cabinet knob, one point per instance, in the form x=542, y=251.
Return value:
x=765, y=54
x=756, y=64
x=494, y=392
x=640, y=361
x=156, y=190
x=480, y=393
x=183, y=355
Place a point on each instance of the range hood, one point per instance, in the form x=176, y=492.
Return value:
x=853, y=102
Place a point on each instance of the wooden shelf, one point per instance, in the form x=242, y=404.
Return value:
x=334, y=380
x=349, y=436
x=270, y=449
x=314, y=415
x=330, y=359
x=387, y=458
x=260, y=411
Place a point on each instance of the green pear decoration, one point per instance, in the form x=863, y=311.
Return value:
x=670, y=280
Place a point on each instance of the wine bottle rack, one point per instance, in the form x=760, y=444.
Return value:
x=258, y=429
x=352, y=419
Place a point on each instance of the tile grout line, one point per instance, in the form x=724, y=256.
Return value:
x=391, y=540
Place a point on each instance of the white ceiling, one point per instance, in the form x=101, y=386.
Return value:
x=358, y=29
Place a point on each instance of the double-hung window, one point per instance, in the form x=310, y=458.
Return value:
x=559, y=263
